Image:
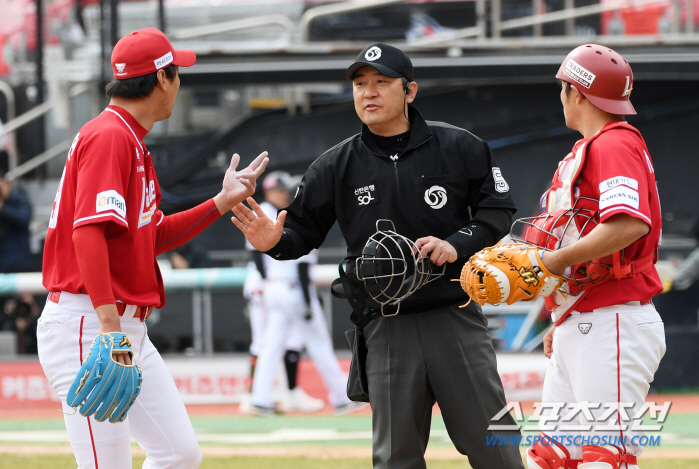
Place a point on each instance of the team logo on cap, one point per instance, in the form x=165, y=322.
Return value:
x=120, y=69
x=373, y=54
x=627, y=88
x=436, y=197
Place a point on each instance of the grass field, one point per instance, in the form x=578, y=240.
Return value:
x=63, y=462
x=232, y=441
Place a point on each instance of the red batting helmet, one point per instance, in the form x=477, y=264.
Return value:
x=602, y=75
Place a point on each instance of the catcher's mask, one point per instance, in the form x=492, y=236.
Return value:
x=552, y=230
x=392, y=268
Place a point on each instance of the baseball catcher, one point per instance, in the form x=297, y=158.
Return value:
x=105, y=387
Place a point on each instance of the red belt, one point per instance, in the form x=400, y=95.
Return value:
x=142, y=312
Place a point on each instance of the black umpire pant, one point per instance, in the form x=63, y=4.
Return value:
x=444, y=355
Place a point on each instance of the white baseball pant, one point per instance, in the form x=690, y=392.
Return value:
x=606, y=356
x=258, y=327
x=286, y=307
x=158, y=420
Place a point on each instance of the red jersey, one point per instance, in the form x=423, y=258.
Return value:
x=108, y=177
x=618, y=171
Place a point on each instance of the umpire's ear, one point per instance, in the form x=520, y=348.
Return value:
x=412, y=92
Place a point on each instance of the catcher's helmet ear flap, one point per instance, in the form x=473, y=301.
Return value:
x=392, y=268
x=602, y=75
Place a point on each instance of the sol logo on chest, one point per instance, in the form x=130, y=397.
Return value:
x=366, y=195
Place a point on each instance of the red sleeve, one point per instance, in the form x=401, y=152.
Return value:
x=93, y=261
x=175, y=230
x=619, y=173
x=104, y=167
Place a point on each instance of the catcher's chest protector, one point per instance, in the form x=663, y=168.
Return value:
x=561, y=198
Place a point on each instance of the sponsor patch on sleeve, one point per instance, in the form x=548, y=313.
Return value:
x=620, y=195
x=111, y=200
x=611, y=183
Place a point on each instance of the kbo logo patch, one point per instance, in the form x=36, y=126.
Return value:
x=436, y=197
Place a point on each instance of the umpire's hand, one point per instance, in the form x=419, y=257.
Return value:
x=442, y=251
x=260, y=231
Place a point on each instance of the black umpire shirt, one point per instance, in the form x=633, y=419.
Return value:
x=443, y=177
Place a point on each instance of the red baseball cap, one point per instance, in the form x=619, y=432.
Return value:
x=146, y=51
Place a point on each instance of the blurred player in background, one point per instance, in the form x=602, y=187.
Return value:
x=607, y=339
x=291, y=305
x=276, y=189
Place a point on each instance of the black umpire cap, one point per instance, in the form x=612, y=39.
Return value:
x=387, y=60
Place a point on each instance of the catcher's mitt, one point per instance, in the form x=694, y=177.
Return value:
x=507, y=273
x=103, y=386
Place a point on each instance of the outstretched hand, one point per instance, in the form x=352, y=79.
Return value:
x=238, y=185
x=259, y=230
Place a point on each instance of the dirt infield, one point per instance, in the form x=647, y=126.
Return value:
x=311, y=451
x=681, y=404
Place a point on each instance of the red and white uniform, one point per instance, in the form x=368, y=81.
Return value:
x=614, y=169
x=609, y=347
x=109, y=178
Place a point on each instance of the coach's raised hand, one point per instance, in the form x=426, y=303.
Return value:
x=238, y=185
x=260, y=231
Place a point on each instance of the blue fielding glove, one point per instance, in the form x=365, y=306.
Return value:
x=103, y=386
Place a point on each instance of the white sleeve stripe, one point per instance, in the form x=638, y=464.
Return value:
x=101, y=216
x=127, y=125
x=650, y=165
x=162, y=217
x=628, y=209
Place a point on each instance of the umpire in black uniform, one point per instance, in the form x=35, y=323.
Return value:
x=441, y=187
